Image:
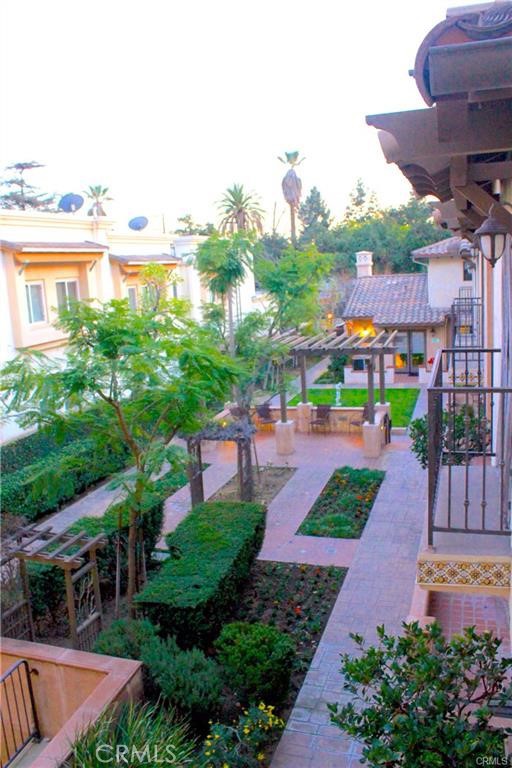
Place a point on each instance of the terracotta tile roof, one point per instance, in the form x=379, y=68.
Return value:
x=447, y=247
x=394, y=300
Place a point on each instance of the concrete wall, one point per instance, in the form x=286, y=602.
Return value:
x=71, y=689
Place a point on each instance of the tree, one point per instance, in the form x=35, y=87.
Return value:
x=98, y=195
x=362, y=204
x=222, y=261
x=149, y=374
x=420, y=700
x=273, y=246
x=189, y=227
x=293, y=284
x=20, y=194
x=314, y=216
x=240, y=210
x=292, y=189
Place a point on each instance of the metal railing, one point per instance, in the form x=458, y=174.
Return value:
x=19, y=723
x=469, y=489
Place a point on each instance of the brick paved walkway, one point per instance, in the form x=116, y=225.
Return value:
x=377, y=590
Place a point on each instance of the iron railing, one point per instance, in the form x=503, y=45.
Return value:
x=19, y=722
x=469, y=489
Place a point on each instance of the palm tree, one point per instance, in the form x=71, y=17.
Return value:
x=98, y=195
x=292, y=188
x=222, y=261
x=241, y=211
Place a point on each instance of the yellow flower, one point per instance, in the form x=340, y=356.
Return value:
x=247, y=730
x=260, y=756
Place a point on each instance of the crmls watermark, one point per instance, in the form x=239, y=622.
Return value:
x=122, y=754
x=493, y=761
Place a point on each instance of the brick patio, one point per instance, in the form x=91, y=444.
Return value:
x=486, y=613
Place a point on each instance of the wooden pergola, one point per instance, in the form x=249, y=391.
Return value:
x=240, y=432
x=75, y=553
x=341, y=343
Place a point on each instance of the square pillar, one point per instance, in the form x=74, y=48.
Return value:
x=304, y=411
x=285, y=437
x=372, y=440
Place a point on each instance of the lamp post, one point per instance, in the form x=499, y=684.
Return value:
x=491, y=239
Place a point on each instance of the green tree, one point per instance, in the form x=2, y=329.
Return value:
x=293, y=284
x=314, y=216
x=149, y=374
x=98, y=195
x=189, y=227
x=362, y=203
x=222, y=261
x=19, y=194
x=273, y=245
x=240, y=211
x=421, y=700
x=292, y=189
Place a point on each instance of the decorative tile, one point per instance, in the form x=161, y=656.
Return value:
x=464, y=573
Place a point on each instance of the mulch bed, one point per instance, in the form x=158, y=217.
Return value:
x=343, y=507
x=296, y=599
x=267, y=484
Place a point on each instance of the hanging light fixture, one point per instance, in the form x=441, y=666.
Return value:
x=491, y=238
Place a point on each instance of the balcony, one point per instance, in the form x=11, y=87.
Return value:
x=469, y=475
x=48, y=694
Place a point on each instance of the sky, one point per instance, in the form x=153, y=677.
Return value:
x=169, y=102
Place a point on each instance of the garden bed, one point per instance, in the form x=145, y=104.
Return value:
x=402, y=400
x=267, y=484
x=298, y=600
x=343, y=507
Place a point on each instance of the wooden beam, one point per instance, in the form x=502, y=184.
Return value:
x=483, y=201
x=490, y=171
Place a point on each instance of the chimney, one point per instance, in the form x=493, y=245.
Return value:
x=364, y=263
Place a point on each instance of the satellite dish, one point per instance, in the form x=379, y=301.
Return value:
x=71, y=203
x=138, y=223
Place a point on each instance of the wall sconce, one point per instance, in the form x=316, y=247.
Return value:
x=491, y=238
x=468, y=252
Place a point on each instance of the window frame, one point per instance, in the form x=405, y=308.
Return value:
x=133, y=288
x=65, y=281
x=467, y=272
x=28, y=302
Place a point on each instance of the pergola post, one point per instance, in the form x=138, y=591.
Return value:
x=70, y=599
x=371, y=391
x=382, y=380
x=303, y=379
x=195, y=472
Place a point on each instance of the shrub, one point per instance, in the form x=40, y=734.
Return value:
x=147, y=734
x=241, y=745
x=190, y=597
x=38, y=445
x=461, y=431
x=43, y=486
x=422, y=700
x=47, y=582
x=186, y=679
x=125, y=638
x=258, y=660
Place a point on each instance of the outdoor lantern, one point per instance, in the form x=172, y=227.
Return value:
x=468, y=251
x=491, y=238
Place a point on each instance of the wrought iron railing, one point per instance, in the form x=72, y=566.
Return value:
x=469, y=489
x=19, y=723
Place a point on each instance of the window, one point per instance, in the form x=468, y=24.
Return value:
x=67, y=291
x=359, y=364
x=35, y=302
x=132, y=297
x=174, y=289
x=467, y=271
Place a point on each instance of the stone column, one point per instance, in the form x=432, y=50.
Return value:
x=285, y=437
x=304, y=411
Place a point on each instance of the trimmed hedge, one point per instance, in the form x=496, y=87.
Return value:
x=191, y=596
x=47, y=582
x=42, y=487
x=30, y=449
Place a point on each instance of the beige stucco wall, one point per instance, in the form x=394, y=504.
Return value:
x=445, y=277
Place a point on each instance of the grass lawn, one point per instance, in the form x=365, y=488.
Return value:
x=402, y=400
x=344, y=505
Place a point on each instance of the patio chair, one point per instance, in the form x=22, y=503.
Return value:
x=358, y=420
x=264, y=415
x=322, y=418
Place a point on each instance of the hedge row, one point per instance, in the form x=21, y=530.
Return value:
x=31, y=448
x=43, y=486
x=191, y=596
x=47, y=582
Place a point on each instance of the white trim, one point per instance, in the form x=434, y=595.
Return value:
x=28, y=302
x=66, y=281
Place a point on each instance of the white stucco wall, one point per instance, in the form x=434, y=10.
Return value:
x=445, y=277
